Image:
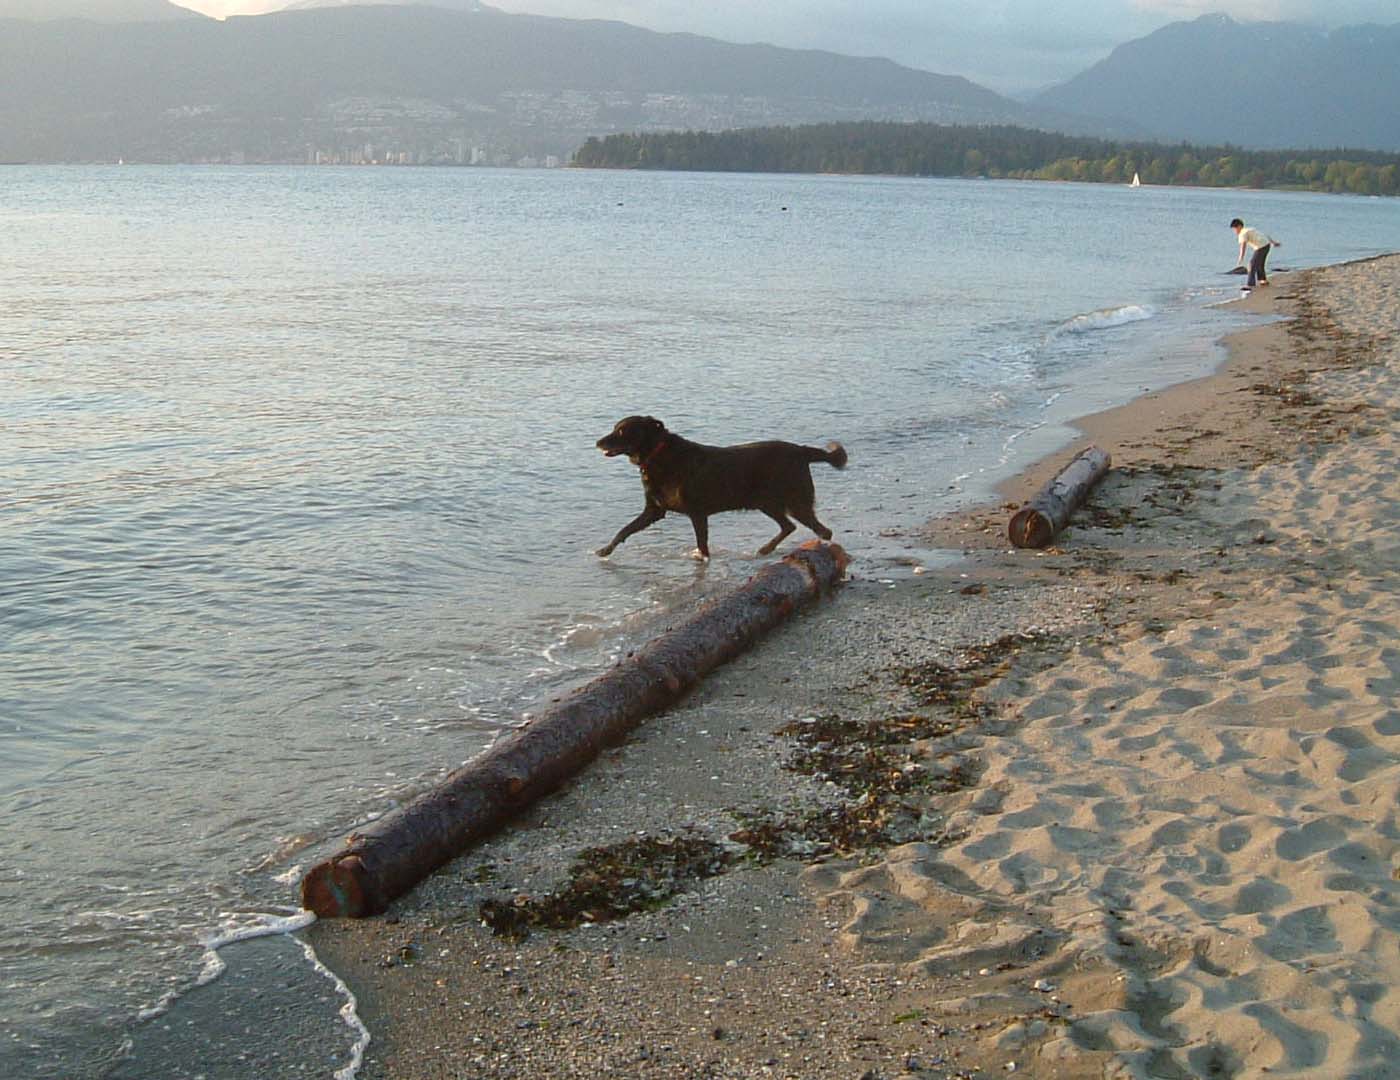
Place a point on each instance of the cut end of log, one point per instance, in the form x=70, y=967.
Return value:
x=335, y=889
x=1030, y=528
x=1036, y=523
x=813, y=553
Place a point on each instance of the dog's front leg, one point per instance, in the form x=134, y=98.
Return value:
x=650, y=516
x=702, y=534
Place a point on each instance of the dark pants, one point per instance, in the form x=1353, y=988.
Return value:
x=1257, y=273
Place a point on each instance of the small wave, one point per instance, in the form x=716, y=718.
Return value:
x=260, y=925
x=1106, y=319
x=213, y=965
x=264, y=925
x=349, y=1012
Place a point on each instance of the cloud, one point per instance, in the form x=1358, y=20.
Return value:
x=221, y=9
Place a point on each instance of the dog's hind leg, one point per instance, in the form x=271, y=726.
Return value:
x=784, y=524
x=808, y=517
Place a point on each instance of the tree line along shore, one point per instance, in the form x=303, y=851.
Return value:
x=1001, y=152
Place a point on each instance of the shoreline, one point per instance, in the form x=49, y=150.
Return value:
x=992, y=923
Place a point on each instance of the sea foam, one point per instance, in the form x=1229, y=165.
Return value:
x=1106, y=318
x=267, y=925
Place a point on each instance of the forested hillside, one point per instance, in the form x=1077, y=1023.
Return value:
x=994, y=151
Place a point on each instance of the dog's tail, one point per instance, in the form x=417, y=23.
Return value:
x=834, y=455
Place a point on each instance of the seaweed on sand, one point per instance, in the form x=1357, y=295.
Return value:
x=887, y=768
x=879, y=765
x=954, y=686
x=611, y=882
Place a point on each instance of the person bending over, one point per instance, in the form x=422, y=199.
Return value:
x=1253, y=239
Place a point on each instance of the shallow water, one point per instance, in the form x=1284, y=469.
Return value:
x=301, y=494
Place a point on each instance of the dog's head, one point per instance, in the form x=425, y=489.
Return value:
x=635, y=436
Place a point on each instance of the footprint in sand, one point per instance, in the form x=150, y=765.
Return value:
x=1232, y=838
x=1261, y=894
x=1309, y=839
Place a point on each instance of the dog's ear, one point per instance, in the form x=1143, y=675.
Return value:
x=652, y=423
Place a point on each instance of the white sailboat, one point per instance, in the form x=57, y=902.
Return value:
x=1136, y=181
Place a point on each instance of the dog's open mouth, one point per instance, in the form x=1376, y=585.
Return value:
x=610, y=451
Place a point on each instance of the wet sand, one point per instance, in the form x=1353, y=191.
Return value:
x=1125, y=807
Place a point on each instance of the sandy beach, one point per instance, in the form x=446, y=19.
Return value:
x=1122, y=808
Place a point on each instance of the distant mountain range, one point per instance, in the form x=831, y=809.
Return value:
x=1260, y=85
x=458, y=81
x=421, y=83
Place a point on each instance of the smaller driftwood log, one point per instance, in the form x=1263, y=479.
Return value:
x=1037, y=523
x=392, y=854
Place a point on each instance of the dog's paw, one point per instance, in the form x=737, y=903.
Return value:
x=604, y=551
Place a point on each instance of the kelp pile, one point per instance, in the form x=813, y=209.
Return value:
x=611, y=882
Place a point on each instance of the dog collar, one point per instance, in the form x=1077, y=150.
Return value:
x=655, y=450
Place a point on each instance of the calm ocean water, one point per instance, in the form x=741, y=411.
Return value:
x=298, y=490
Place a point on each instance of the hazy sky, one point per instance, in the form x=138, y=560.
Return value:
x=1008, y=45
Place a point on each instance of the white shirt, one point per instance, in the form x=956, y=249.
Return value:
x=1252, y=237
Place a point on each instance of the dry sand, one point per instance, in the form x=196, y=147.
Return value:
x=1138, y=814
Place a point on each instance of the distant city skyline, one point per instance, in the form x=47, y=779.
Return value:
x=1011, y=46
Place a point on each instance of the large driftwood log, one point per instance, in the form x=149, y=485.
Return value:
x=391, y=855
x=1036, y=524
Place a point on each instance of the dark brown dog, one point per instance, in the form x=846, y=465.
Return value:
x=698, y=481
